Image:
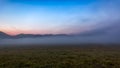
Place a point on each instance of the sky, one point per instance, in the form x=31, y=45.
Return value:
x=57, y=16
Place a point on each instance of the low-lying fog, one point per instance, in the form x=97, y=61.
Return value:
x=58, y=40
x=109, y=35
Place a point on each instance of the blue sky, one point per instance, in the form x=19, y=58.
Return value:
x=56, y=16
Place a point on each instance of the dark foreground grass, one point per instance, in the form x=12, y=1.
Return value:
x=85, y=56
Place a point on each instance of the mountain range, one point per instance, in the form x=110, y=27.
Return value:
x=112, y=31
x=4, y=35
x=107, y=34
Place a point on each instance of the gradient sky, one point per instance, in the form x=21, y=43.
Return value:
x=56, y=16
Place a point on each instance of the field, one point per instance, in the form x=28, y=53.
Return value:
x=73, y=56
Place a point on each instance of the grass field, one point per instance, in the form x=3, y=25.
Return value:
x=83, y=56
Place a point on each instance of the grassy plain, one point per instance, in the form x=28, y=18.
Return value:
x=73, y=56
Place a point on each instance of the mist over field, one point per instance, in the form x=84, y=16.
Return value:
x=105, y=35
x=61, y=40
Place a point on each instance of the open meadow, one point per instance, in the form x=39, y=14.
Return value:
x=73, y=56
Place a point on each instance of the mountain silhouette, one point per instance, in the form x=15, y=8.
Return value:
x=37, y=35
x=4, y=35
x=107, y=32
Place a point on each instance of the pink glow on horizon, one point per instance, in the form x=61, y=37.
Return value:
x=13, y=32
x=73, y=30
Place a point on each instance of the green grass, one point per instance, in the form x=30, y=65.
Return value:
x=60, y=57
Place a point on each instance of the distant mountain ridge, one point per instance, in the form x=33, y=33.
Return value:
x=108, y=34
x=111, y=31
x=37, y=35
x=4, y=35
